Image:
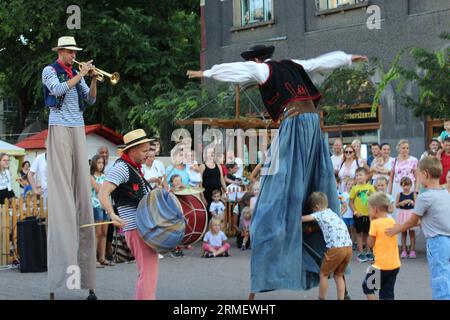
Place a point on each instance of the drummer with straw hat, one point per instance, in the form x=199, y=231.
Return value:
x=126, y=184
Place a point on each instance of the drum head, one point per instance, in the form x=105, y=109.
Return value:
x=188, y=191
x=196, y=216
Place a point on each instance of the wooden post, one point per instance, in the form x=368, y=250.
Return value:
x=21, y=211
x=28, y=205
x=8, y=231
x=41, y=207
x=14, y=227
x=3, y=214
x=238, y=101
x=14, y=206
x=35, y=207
x=228, y=221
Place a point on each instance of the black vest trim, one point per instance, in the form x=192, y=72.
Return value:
x=132, y=191
x=287, y=82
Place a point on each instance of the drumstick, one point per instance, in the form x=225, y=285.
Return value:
x=95, y=224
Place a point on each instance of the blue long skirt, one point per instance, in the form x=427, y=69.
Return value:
x=298, y=164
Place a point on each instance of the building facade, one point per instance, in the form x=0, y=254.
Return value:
x=304, y=29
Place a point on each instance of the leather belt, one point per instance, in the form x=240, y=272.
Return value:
x=296, y=108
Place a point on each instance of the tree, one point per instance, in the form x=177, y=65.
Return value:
x=431, y=75
x=150, y=43
x=343, y=89
x=191, y=101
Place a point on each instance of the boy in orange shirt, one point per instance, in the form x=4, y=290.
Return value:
x=387, y=259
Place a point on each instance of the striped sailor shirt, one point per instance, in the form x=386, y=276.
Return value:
x=69, y=115
x=117, y=175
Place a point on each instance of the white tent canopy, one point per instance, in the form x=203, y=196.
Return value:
x=11, y=149
x=16, y=157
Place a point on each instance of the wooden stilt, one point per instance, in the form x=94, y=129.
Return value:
x=52, y=296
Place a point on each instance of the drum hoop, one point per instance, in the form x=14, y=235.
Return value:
x=203, y=206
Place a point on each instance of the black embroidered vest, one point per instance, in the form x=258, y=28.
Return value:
x=287, y=82
x=131, y=192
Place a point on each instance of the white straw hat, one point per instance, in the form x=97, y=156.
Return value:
x=67, y=43
x=134, y=138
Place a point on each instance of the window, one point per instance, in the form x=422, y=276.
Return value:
x=9, y=105
x=337, y=4
x=254, y=11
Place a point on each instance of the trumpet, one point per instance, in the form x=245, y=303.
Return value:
x=113, y=78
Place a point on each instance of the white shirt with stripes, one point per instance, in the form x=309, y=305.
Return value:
x=117, y=175
x=69, y=115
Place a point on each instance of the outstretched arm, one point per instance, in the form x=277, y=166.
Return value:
x=408, y=224
x=329, y=61
x=234, y=72
x=308, y=218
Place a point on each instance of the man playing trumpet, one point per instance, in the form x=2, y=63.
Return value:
x=69, y=196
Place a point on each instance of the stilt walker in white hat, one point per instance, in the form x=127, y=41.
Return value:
x=71, y=250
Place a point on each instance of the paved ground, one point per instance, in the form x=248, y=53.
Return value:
x=195, y=278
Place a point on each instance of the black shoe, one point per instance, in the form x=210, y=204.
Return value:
x=177, y=253
x=91, y=295
x=347, y=297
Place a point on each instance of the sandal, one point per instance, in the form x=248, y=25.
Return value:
x=107, y=263
x=99, y=265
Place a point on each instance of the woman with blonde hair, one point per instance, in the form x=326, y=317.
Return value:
x=356, y=144
x=347, y=170
x=404, y=165
x=6, y=191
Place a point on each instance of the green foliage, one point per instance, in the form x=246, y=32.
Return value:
x=345, y=88
x=386, y=78
x=159, y=115
x=431, y=75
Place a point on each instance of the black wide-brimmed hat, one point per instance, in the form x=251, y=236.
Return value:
x=257, y=51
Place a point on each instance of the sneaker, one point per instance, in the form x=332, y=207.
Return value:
x=209, y=255
x=160, y=256
x=347, y=297
x=370, y=256
x=177, y=253
x=225, y=254
x=404, y=255
x=243, y=248
x=361, y=257
x=412, y=254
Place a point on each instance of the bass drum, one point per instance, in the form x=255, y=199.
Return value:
x=196, y=216
x=160, y=221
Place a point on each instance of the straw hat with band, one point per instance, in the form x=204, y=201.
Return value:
x=135, y=138
x=67, y=43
